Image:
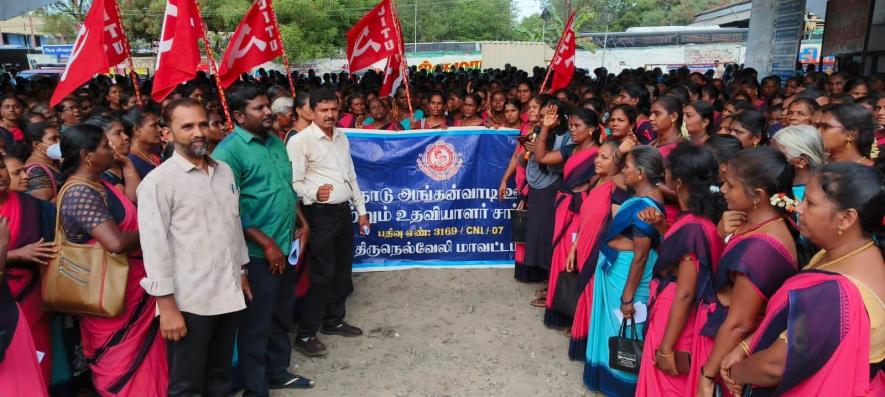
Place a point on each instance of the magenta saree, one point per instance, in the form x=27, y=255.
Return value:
x=30, y=220
x=694, y=237
x=522, y=193
x=578, y=169
x=593, y=219
x=828, y=337
x=764, y=261
x=126, y=355
x=20, y=373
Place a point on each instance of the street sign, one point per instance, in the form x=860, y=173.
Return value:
x=61, y=51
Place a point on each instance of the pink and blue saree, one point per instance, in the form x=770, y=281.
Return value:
x=578, y=169
x=692, y=237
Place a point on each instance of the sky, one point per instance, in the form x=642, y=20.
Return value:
x=528, y=7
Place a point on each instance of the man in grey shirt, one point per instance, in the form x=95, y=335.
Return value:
x=194, y=248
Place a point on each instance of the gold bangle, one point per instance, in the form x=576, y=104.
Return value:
x=746, y=348
x=658, y=352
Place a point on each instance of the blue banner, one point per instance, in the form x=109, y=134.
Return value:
x=432, y=197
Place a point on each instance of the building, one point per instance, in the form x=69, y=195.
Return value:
x=23, y=31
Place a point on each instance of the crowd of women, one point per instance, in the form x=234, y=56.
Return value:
x=738, y=243
x=676, y=210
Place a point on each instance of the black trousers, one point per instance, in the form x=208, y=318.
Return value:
x=200, y=363
x=330, y=258
x=263, y=340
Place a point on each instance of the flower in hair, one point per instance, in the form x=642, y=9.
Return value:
x=874, y=151
x=714, y=189
x=781, y=200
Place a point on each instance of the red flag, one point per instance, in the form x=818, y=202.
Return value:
x=374, y=38
x=179, y=54
x=563, y=63
x=393, y=76
x=100, y=45
x=253, y=43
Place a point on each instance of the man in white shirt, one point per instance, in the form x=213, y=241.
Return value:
x=194, y=248
x=324, y=178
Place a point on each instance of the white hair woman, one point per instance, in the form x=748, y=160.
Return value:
x=804, y=148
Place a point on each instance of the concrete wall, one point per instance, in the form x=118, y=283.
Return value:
x=495, y=54
x=762, y=22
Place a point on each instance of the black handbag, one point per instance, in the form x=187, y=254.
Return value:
x=519, y=223
x=565, y=297
x=625, y=353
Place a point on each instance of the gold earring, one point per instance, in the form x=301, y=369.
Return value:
x=839, y=232
x=755, y=204
x=88, y=163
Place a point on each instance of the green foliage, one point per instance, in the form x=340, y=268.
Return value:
x=317, y=28
x=457, y=20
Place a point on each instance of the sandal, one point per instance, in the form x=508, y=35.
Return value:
x=295, y=382
x=541, y=292
x=539, y=302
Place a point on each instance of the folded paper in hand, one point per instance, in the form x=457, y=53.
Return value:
x=294, y=252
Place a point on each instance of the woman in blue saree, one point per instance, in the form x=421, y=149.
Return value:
x=624, y=271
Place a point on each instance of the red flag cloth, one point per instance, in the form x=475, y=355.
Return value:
x=178, y=54
x=374, y=38
x=393, y=76
x=254, y=42
x=563, y=63
x=100, y=45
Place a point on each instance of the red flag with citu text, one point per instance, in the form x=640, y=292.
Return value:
x=393, y=75
x=563, y=63
x=374, y=38
x=255, y=42
x=100, y=45
x=179, y=52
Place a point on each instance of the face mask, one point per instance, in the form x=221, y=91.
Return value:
x=54, y=152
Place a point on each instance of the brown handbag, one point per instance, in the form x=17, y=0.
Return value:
x=83, y=279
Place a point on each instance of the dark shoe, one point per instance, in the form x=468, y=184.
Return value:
x=292, y=382
x=311, y=347
x=342, y=329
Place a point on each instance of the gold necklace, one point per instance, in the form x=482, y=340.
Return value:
x=776, y=219
x=147, y=157
x=843, y=257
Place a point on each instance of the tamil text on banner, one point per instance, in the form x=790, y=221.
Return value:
x=432, y=197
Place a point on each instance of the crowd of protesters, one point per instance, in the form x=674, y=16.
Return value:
x=725, y=220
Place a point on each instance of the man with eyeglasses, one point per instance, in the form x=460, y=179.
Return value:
x=69, y=112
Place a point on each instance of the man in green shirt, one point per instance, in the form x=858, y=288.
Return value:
x=263, y=176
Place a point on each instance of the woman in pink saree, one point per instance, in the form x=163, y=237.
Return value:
x=823, y=333
x=760, y=254
x=125, y=353
x=516, y=169
x=683, y=273
x=578, y=159
x=31, y=227
x=20, y=373
x=593, y=219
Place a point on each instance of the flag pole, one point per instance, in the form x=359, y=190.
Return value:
x=213, y=68
x=273, y=16
x=555, y=51
x=403, y=66
x=133, y=76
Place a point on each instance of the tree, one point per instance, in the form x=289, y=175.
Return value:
x=462, y=20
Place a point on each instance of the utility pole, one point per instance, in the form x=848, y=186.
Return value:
x=415, y=38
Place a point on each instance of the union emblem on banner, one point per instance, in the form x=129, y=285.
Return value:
x=440, y=161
